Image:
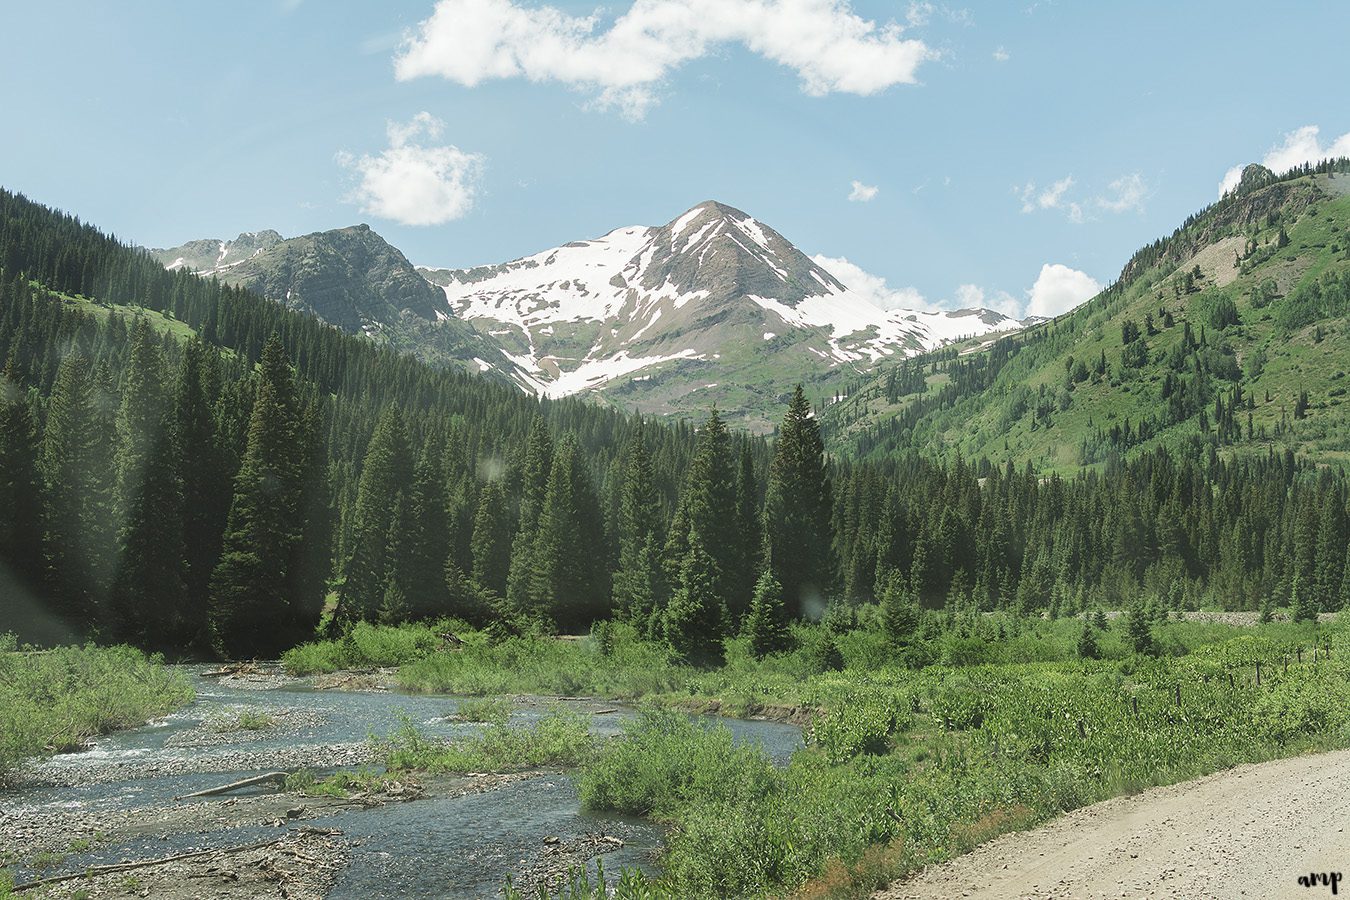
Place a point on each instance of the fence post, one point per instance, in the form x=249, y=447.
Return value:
x=1178, y=688
x=1258, y=674
x=1134, y=702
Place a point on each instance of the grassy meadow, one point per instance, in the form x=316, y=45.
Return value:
x=913, y=754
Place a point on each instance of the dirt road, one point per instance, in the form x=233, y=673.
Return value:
x=1251, y=831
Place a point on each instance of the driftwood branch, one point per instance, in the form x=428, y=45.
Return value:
x=277, y=777
x=96, y=871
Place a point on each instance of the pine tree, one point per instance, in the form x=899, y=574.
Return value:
x=426, y=537
x=534, y=485
x=249, y=595
x=899, y=612
x=73, y=456
x=386, y=476
x=1087, y=643
x=21, y=500
x=749, y=534
x=695, y=620
x=311, y=563
x=205, y=471
x=708, y=506
x=492, y=530
x=766, y=625
x=1302, y=605
x=394, y=607
x=637, y=582
x=1139, y=631
x=798, y=508
x=148, y=588
x=569, y=584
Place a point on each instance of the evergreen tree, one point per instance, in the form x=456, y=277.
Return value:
x=695, y=620
x=1302, y=605
x=569, y=585
x=492, y=530
x=72, y=460
x=311, y=562
x=249, y=595
x=767, y=625
x=637, y=583
x=749, y=534
x=899, y=612
x=426, y=538
x=21, y=500
x=148, y=589
x=798, y=508
x=205, y=470
x=534, y=485
x=708, y=506
x=386, y=477
x=1087, y=643
x=1139, y=631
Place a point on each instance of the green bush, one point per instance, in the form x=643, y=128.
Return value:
x=561, y=738
x=665, y=761
x=369, y=646
x=55, y=700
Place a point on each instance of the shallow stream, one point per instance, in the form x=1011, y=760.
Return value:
x=461, y=846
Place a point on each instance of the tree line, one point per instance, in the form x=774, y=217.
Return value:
x=190, y=492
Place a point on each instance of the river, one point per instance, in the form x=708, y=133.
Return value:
x=463, y=844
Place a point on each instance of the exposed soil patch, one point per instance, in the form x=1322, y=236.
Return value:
x=1251, y=831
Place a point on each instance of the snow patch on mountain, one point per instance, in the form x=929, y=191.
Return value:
x=589, y=312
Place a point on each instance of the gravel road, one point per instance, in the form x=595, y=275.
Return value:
x=1250, y=831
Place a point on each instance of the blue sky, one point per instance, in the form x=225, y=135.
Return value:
x=997, y=147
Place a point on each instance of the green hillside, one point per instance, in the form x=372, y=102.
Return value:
x=1232, y=332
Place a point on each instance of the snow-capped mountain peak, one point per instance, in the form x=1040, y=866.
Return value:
x=713, y=290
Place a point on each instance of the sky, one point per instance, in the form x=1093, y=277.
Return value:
x=1010, y=154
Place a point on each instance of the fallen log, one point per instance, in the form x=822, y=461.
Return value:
x=277, y=777
x=96, y=871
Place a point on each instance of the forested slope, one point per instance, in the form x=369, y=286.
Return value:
x=190, y=467
x=1230, y=333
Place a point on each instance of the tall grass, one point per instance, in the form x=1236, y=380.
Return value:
x=909, y=767
x=561, y=738
x=368, y=646
x=54, y=700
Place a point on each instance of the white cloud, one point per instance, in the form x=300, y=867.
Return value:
x=1127, y=193
x=1059, y=289
x=1300, y=146
x=1002, y=55
x=872, y=288
x=1050, y=198
x=862, y=193
x=414, y=184
x=829, y=47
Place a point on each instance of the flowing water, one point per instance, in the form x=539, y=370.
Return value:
x=461, y=846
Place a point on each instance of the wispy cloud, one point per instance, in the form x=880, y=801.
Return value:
x=1051, y=197
x=1300, y=146
x=1001, y=55
x=1125, y=194
x=831, y=48
x=862, y=193
x=411, y=183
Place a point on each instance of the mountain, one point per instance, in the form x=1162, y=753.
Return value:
x=1230, y=333
x=349, y=277
x=713, y=307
